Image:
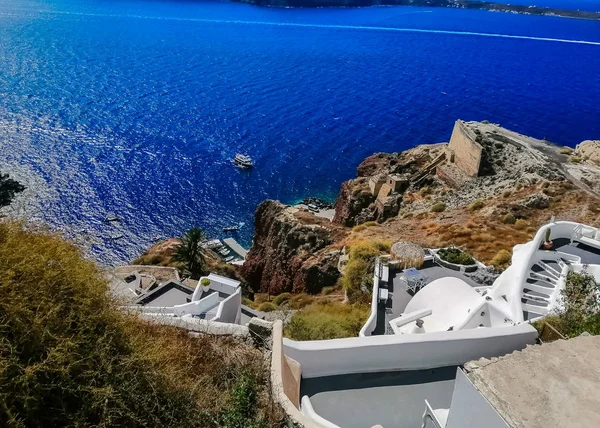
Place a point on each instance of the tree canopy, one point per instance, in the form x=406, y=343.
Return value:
x=189, y=252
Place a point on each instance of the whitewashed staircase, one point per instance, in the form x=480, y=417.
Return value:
x=541, y=286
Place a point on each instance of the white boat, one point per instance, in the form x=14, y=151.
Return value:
x=243, y=161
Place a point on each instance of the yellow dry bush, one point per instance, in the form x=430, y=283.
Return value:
x=321, y=321
x=70, y=357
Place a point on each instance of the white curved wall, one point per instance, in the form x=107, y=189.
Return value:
x=230, y=309
x=406, y=352
x=371, y=323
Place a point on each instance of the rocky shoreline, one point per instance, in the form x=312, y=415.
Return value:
x=521, y=179
x=424, y=196
x=459, y=4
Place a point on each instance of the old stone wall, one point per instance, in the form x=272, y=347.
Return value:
x=467, y=152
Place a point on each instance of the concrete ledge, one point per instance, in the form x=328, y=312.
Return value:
x=277, y=380
x=199, y=325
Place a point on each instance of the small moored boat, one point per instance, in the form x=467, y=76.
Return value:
x=243, y=161
x=231, y=229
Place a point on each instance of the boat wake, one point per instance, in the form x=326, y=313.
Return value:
x=335, y=27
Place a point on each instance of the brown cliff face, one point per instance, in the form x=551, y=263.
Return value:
x=353, y=203
x=286, y=255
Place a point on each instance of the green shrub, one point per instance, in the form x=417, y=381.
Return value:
x=226, y=270
x=300, y=301
x=575, y=159
x=509, y=219
x=424, y=191
x=501, y=259
x=518, y=186
x=359, y=228
x=267, y=307
x=438, y=207
x=156, y=259
x=282, y=298
x=521, y=224
x=477, y=205
x=566, y=151
x=456, y=256
x=205, y=282
x=321, y=321
x=370, y=223
x=359, y=269
x=70, y=357
x=580, y=307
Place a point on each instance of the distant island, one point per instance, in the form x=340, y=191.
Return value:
x=462, y=4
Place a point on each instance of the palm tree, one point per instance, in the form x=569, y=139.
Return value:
x=189, y=252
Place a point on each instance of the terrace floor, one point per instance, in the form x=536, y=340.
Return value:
x=589, y=255
x=391, y=399
x=399, y=297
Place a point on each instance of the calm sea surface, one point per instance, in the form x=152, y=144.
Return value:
x=135, y=107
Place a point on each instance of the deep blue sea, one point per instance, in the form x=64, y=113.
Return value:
x=135, y=107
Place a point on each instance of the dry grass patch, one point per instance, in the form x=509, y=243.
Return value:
x=322, y=321
x=70, y=357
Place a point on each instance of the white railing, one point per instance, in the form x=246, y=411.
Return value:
x=371, y=323
x=230, y=308
x=198, y=307
x=406, y=351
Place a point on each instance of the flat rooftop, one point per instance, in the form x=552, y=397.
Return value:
x=398, y=297
x=391, y=399
x=552, y=385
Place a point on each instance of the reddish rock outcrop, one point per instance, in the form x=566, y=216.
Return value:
x=354, y=199
x=374, y=164
x=286, y=254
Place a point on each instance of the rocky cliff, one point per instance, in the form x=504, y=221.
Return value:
x=522, y=184
x=290, y=251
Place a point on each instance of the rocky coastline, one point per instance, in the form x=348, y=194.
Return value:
x=523, y=183
x=460, y=4
x=422, y=195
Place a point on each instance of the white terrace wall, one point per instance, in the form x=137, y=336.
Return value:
x=217, y=283
x=371, y=323
x=198, y=307
x=406, y=352
x=230, y=309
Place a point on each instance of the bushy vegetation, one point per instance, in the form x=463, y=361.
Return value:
x=267, y=307
x=477, y=205
x=456, y=256
x=359, y=228
x=189, y=252
x=509, y=219
x=358, y=275
x=300, y=301
x=70, y=357
x=438, y=207
x=282, y=298
x=321, y=321
x=521, y=224
x=502, y=259
x=580, y=307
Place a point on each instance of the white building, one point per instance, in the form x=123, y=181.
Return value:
x=410, y=362
x=219, y=301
